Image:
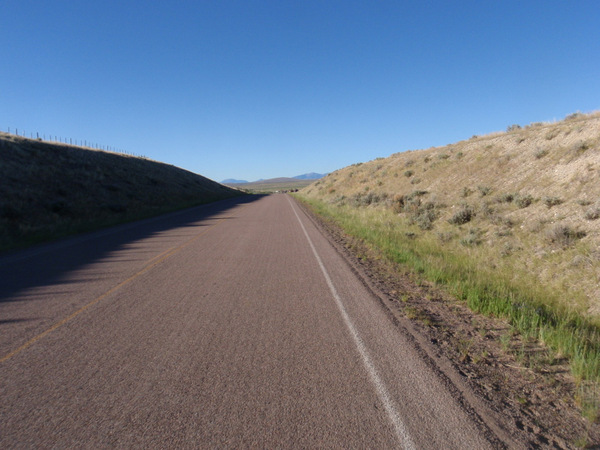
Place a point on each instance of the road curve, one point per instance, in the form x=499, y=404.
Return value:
x=230, y=325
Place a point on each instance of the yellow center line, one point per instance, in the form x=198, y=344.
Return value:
x=153, y=262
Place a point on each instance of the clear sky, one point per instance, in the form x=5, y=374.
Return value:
x=260, y=89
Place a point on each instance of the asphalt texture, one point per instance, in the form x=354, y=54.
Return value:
x=231, y=325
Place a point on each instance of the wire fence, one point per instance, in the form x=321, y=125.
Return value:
x=55, y=139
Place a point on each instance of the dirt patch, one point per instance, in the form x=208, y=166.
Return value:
x=529, y=391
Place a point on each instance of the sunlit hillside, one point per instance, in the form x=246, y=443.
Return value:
x=524, y=202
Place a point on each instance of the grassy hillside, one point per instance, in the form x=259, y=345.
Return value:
x=52, y=190
x=510, y=222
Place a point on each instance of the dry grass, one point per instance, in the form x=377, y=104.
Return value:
x=523, y=202
x=52, y=190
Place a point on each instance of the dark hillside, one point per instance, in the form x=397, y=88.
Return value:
x=51, y=190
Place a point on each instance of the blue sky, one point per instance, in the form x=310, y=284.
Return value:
x=260, y=89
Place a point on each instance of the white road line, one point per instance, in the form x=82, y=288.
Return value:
x=382, y=392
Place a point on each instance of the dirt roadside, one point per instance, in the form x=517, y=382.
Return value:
x=530, y=394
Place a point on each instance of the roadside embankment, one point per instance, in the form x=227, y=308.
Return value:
x=508, y=222
x=53, y=190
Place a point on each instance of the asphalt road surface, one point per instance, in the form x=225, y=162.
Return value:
x=231, y=325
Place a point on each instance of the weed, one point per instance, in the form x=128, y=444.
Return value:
x=539, y=154
x=409, y=173
x=588, y=398
x=464, y=344
x=505, y=341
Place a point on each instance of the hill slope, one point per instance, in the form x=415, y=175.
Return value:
x=526, y=202
x=51, y=190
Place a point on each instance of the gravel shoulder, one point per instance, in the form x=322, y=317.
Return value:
x=530, y=394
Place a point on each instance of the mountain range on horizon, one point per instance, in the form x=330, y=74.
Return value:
x=305, y=176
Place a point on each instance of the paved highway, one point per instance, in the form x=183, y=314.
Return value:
x=231, y=325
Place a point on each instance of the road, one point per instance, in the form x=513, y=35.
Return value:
x=231, y=325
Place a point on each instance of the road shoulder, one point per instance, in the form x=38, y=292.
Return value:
x=494, y=373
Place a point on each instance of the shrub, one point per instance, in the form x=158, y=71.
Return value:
x=472, y=238
x=462, y=216
x=409, y=173
x=514, y=127
x=540, y=153
x=466, y=191
x=564, y=235
x=552, y=201
x=593, y=213
x=424, y=218
x=367, y=199
x=581, y=147
x=576, y=115
x=484, y=190
x=486, y=210
x=523, y=201
x=505, y=198
x=445, y=236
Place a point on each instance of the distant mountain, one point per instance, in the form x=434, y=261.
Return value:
x=310, y=176
x=306, y=176
x=275, y=180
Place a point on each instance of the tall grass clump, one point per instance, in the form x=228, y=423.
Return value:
x=532, y=309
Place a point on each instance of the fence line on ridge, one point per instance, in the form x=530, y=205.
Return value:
x=69, y=141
